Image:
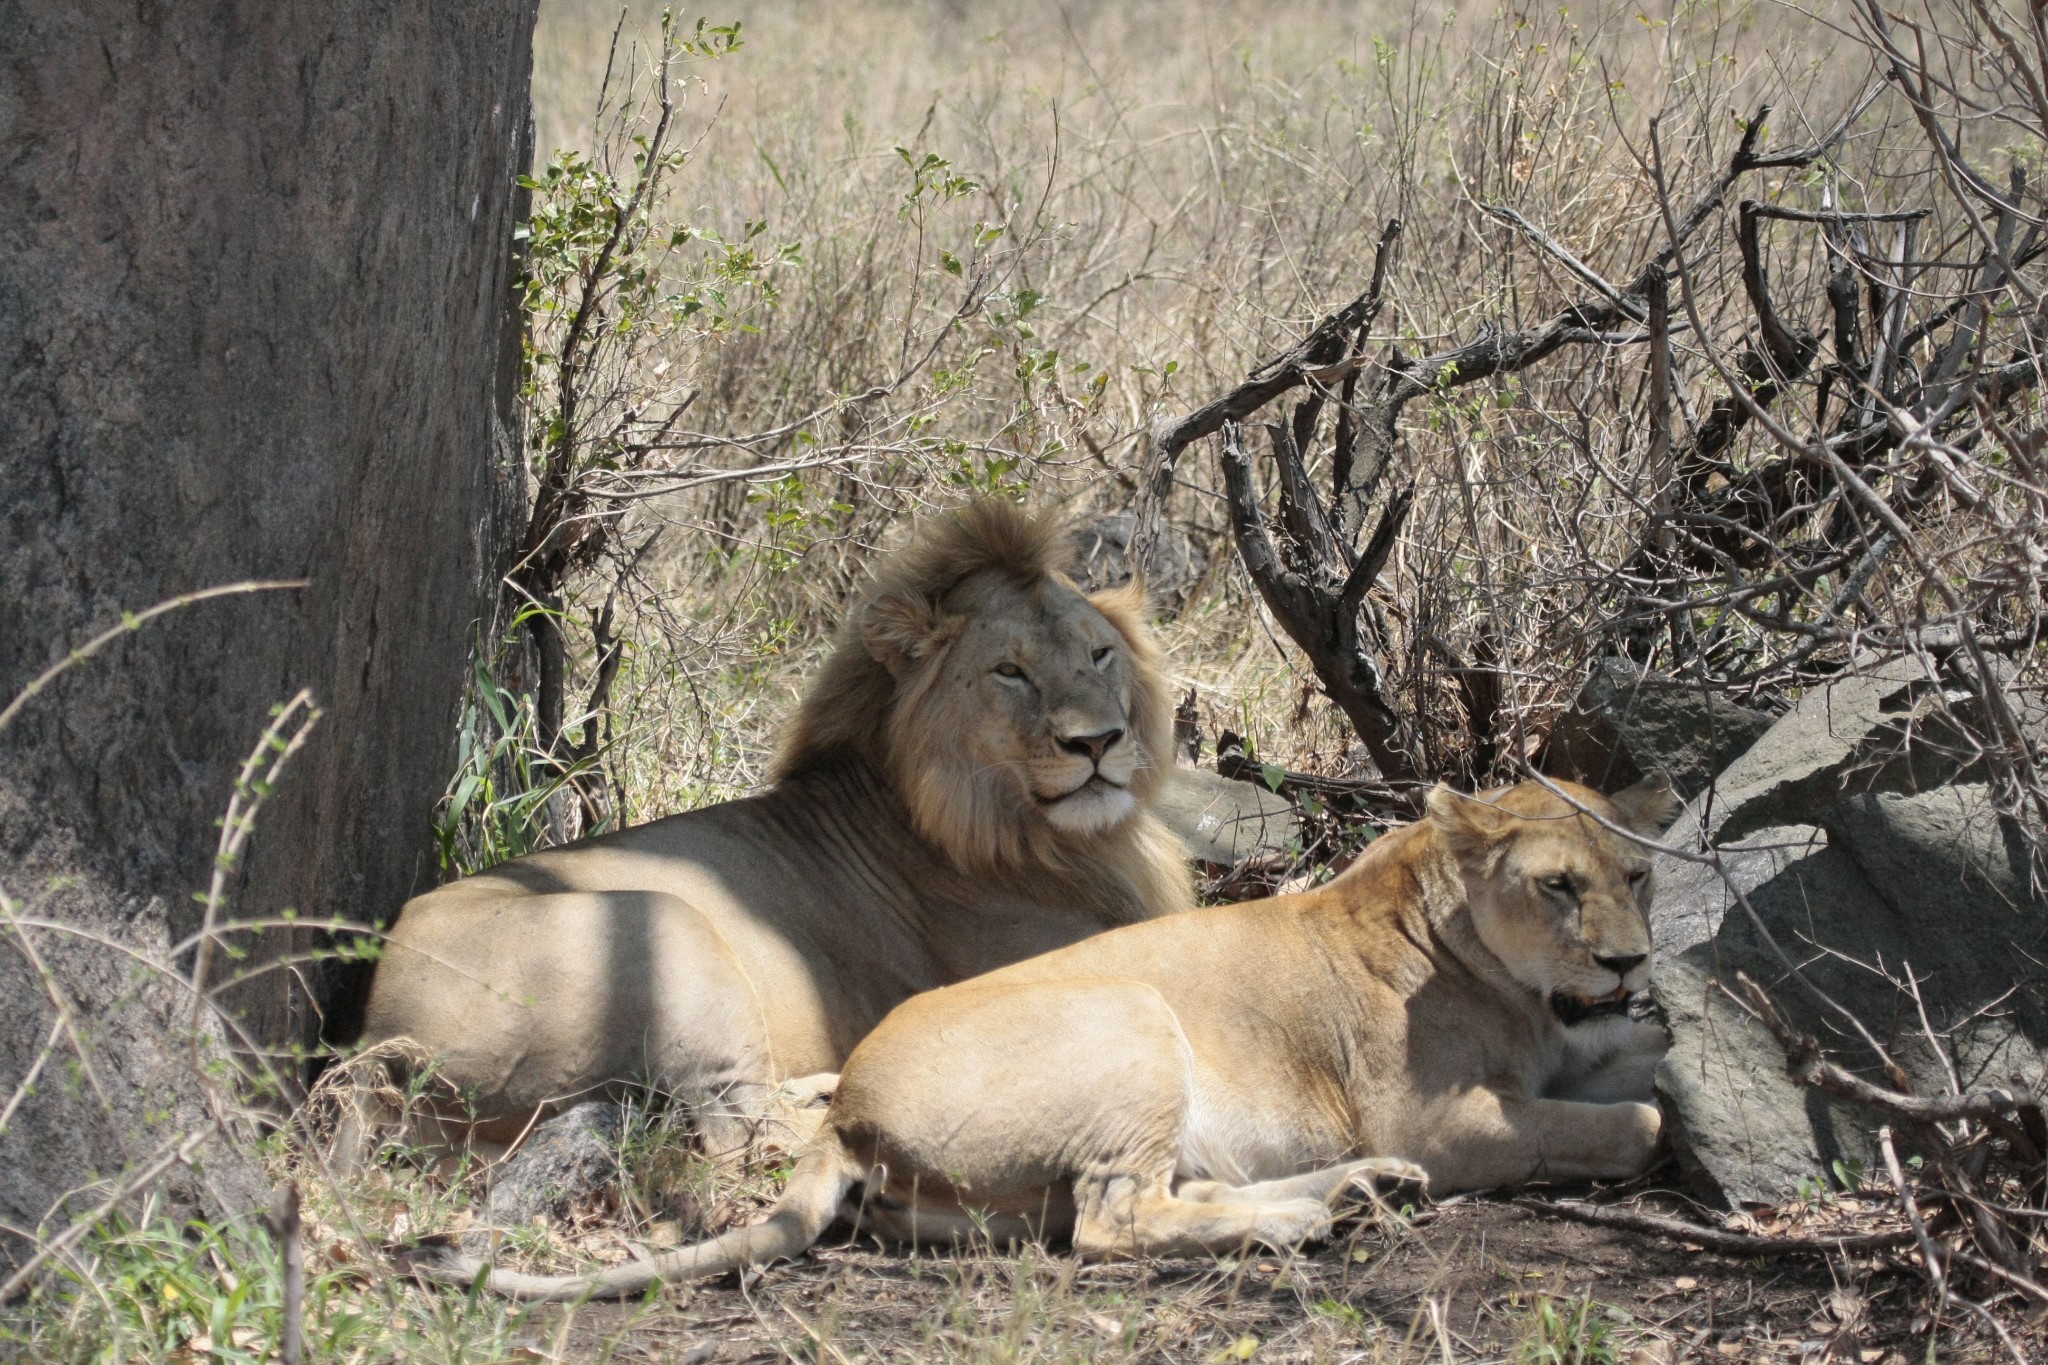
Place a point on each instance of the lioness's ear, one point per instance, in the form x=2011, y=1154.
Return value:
x=1467, y=822
x=898, y=630
x=1649, y=805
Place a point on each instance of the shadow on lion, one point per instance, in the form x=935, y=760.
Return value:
x=967, y=782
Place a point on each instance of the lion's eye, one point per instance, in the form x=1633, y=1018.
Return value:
x=1635, y=878
x=1008, y=670
x=1558, y=883
x=1102, y=655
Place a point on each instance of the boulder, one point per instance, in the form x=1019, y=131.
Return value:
x=1102, y=547
x=1863, y=885
x=562, y=1162
x=1226, y=823
x=1626, y=724
x=1880, y=729
x=1743, y=1128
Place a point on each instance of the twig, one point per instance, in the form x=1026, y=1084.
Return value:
x=1628, y=306
x=133, y=621
x=1930, y=1255
x=1717, y=1239
x=297, y=716
x=284, y=1223
x=1833, y=215
x=1805, y=1064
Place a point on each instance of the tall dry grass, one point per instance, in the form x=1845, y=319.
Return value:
x=1181, y=191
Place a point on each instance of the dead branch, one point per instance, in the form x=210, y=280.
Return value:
x=1398, y=800
x=1805, y=1064
x=1324, y=346
x=1318, y=608
x=1316, y=583
x=1714, y=1239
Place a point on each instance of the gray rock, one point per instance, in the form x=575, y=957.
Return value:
x=562, y=1162
x=1224, y=822
x=1625, y=725
x=1885, y=888
x=1742, y=1124
x=1102, y=545
x=1879, y=729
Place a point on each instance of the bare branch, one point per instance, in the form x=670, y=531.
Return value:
x=1714, y=1239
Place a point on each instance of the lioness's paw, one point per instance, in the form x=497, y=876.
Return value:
x=1387, y=1180
x=1288, y=1223
x=1641, y=1126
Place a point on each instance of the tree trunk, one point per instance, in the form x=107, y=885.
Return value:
x=256, y=321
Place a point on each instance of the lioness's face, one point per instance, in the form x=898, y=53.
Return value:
x=1050, y=680
x=1560, y=899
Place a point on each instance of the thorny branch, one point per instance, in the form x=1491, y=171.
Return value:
x=1944, y=1127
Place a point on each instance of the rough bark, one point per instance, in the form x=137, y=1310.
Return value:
x=255, y=322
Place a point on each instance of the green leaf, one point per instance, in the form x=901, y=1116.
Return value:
x=1274, y=774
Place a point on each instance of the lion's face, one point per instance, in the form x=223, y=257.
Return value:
x=1021, y=706
x=1560, y=899
x=1050, y=678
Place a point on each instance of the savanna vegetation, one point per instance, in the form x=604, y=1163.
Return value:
x=1704, y=333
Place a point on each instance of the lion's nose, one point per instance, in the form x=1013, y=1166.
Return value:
x=1622, y=966
x=1094, y=746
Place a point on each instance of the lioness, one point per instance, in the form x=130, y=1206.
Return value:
x=966, y=783
x=1453, y=1007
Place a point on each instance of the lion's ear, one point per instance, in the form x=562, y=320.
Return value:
x=1648, y=806
x=1131, y=601
x=899, y=629
x=1469, y=823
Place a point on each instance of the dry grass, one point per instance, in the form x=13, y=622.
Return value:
x=1181, y=191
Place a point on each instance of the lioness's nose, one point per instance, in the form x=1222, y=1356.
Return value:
x=1622, y=966
x=1095, y=746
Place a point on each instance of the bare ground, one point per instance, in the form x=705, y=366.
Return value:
x=1478, y=1279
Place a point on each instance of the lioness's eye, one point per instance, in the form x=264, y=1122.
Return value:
x=1102, y=655
x=1558, y=883
x=1635, y=878
x=1008, y=670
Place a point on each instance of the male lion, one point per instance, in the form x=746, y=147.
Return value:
x=1453, y=1008
x=966, y=783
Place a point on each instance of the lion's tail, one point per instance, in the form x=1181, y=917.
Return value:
x=809, y=1203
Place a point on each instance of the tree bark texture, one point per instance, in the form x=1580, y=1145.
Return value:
x=256, y=321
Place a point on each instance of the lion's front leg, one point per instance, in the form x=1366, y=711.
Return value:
x=1483, y=1139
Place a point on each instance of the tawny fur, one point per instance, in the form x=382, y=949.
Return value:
x=929, y=820
x=1232, y=1075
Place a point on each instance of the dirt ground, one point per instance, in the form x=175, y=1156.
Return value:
x=1471, y=1280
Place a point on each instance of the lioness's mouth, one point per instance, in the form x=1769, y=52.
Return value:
x=1571, y=1009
